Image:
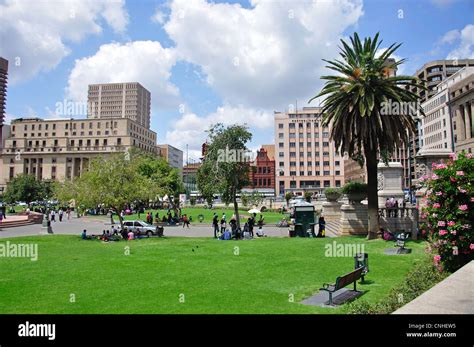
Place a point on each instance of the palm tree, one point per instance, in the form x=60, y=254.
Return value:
x=355, y=107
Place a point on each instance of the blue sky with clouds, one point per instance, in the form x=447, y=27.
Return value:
x=207, y=62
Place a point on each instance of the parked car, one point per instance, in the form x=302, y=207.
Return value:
x=142, y=227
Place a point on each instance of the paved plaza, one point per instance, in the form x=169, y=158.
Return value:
x=95, y=225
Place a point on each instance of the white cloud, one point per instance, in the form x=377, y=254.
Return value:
x=146, y=62
x=464, y=40
x=450, y=37
x=34, y=34
x=190, y=128
x=265, y=56
x=158, y=17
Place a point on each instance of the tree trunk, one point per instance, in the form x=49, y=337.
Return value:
x=112, y=217
x=120, y=217
x=372, y=194
x=236, y=210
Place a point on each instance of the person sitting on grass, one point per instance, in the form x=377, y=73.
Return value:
x=131, y=235
x=84, y=234
x=260, y=232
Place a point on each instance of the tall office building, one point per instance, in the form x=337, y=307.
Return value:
x=172, y=155
x=120, y=100
x=461, y=105
x=62, y=149
x=432, y=74
x=305, y=158
x=3, y=93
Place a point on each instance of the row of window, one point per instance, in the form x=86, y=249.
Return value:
x=311, y=184
x=301, y=144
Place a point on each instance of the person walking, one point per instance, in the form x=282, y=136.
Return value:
x=215, y=224
x=185, y=221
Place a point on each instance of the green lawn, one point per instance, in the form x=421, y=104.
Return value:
x=213, y=280
x=270, y=217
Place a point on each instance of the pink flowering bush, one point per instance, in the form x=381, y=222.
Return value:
x=449, y=216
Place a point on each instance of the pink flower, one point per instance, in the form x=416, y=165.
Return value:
x=454, y=232
x=436, y=205
x=455, y=250
x=460, y=173
x=466, y=226
x=453, y=156
x=441, y=223
x=434, y=176
x=463, y=207
x=461, y=190
x=472, y=199
x=435, y=215
x=471, y=246
x=439, y=193
x=451, y=223
x=443, y=232
x=452, y=179
x=437, y=257
x=470, y=155
x=441, y=166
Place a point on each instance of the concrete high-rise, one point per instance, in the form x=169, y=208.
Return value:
x=119, y=100
x=305, y=158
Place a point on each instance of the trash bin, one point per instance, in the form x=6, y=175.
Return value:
x=362, y=260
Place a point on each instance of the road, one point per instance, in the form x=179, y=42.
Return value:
x=95, y=225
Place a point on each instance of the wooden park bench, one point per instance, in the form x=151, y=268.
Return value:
x=343, y=281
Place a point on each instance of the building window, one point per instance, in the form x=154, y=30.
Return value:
x=280, y=126
x=338, y=183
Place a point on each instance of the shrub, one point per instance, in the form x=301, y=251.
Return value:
x=332, y=191
x=307, y=196
x=192, y=200
x=421, y=277
x=354, y=187
x=448, y=214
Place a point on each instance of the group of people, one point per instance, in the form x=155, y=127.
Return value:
x=60, y=213
x=222, y=231
x=113, y=235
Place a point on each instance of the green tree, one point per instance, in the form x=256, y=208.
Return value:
x=27, y=188
x=355, y=107
x=225, y=168
x=288, y=197
x=166, y=178
x=113, y=181
x=307, y=196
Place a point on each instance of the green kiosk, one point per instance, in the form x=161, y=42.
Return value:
x=303, y=220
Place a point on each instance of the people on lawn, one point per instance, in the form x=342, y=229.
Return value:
x=322, y=227
x=215, y=224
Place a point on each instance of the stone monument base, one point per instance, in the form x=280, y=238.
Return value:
x=354, y=219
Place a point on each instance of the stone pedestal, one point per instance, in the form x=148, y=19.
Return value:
x=46, y=226
x=354, y=219
x=331, y=211
x=390, y=182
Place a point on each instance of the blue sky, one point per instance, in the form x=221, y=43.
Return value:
x=228, y=61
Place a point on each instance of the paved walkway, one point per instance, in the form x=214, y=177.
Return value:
x=453, y=295
x=95, y=225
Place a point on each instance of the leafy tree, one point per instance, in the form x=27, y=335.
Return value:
x=288, y=197
x=355, y=107
x=27, y=188
x=113, y=181
x=308, y=196
x=225, y=169
x=165, y=177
